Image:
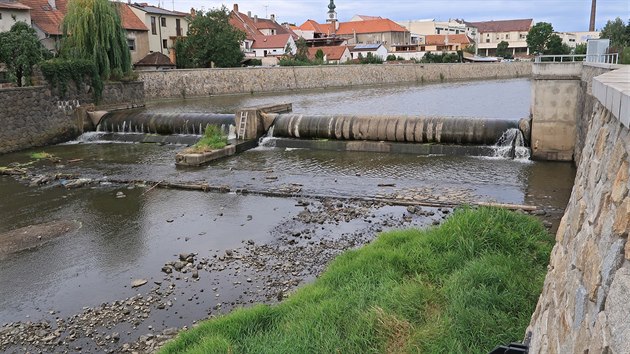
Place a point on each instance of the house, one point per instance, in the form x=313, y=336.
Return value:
x=332, y=54
x=154, y=61
x=11, y=12
x=261, y=30
x=491, y=33
x=164, y=27
x=46, y=19
x=372, y=31
x=445, y=42
x=137, y=32
x=361, y=30
x=273, y=45
x=361, y=50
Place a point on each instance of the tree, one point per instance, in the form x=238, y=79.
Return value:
x=319, y=56
x=302, y=50
x=211, y=39
x=617, y=32
x=556, y=47
x=20, y=50
x=580, y=48
x=93, y=31
x=471, y=49
x=538, y=37
x=502, y=49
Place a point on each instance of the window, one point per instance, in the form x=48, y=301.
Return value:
x=131, y=43
x=163, y=21
x=165, y=43
x=178, y=27
x=0, y=15
x=153, y=29
x=522, y=36
x=507, y=36
x=487, y=40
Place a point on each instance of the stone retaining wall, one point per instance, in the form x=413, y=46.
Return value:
x=208, y=82
x=585, y=306
x=35, y=116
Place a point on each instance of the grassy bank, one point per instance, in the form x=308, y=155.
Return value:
x=462, y=287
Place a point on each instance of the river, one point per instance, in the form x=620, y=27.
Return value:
x=130, y=231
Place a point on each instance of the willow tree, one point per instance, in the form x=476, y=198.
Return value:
x=93, y=30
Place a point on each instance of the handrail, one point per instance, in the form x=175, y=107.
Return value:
x=590, y=58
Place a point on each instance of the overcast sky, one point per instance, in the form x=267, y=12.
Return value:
x=564, y=15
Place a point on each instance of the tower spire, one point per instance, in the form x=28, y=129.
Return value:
x=332, y=14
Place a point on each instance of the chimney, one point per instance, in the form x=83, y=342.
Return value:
x=53, y=4
x=255, y=18
x=235, y=7
x=591, y=26
x=249, y=14
x=272, y=17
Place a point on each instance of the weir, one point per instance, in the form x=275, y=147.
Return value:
x=409, y=129
x=140, y=121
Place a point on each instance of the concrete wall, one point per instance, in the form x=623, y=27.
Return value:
x=35, y=116
x=208, y=82
x=555, y=107
x=585, y=303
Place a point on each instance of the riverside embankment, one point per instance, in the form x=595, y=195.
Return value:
x=210, y=82
x=584, y=305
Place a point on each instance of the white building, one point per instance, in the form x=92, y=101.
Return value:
x=273, y=45
x=12, y=12
x=362, y=50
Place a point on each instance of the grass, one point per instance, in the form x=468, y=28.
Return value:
x=463, y=287
x=213, y=139
x=41, y=155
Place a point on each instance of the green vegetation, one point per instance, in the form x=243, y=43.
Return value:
x=502, y=50
x=542, y=40
x=213, y=139
x=59, y=72
x=370, y=59
x=441, y=58
x=93, y=31
x=462, y=287
x=41, y=155
x=20, y=50
x=619, y=35
x=580, y=48
x=211, y=41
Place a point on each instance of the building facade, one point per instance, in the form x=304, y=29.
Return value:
x=12, y=12
x=491, y=33
x=164, y=27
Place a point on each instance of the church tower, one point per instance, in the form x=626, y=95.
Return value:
x=332, y=14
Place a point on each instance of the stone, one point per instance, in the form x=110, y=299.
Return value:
x=618, y=311
x=620, y=185
x=622, y=219
x=138, y=282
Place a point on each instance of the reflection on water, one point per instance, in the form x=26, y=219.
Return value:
x=491, y=99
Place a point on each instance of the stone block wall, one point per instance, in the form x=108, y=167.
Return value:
x=208, y=82
x=35, y=116
x=585, y=303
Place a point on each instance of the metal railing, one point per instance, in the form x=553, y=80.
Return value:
x=596, y=58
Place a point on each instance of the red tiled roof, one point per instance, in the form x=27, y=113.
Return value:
x=49, y=20
x=331, y=52
x=129, y=19
x=440, y=39
x=370, y=26
x=46, y=18
x=504, y=25
x=13, y=5
x=367, y=26
x=275, y=41
x=252, y=27
x=312, y=25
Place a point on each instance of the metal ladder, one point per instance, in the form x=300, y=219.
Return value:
x=242, y=126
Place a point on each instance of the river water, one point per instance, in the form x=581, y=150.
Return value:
x=122, y=239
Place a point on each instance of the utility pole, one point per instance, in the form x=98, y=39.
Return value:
x=266, y=7
x=591, y=26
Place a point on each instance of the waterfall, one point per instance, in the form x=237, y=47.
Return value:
x=268, y=140
x=511, y=145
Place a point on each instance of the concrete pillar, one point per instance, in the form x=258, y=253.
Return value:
x=556, y=95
